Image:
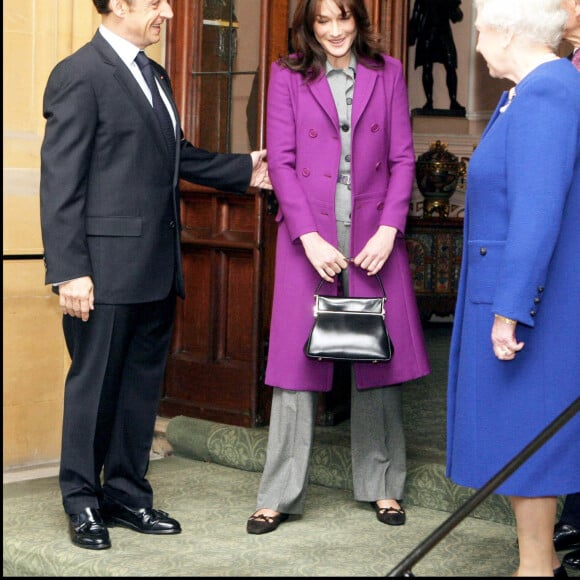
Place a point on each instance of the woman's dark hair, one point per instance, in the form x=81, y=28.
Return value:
x=309, y=57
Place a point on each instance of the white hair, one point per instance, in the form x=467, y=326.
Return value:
x=541, y=21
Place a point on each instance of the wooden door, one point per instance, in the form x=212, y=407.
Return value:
x=218, y=57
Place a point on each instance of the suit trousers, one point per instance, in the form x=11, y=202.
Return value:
x=112, y=393
x=377, y=441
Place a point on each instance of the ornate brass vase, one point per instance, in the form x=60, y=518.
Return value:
x=437, y=172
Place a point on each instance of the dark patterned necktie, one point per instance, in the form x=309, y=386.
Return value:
x=158, y=105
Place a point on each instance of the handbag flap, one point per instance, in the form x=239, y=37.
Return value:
x=348, y=304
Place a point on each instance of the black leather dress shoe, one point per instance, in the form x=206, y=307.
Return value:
x=88, y=530
x=144, y=520
x=572, y=559
x=566, y=537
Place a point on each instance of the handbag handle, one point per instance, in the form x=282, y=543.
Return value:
x=322, y=281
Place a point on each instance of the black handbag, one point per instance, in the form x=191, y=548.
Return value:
x=349, y=329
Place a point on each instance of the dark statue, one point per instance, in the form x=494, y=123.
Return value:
x=430, y=28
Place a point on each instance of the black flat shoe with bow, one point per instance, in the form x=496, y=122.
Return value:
x=389, y=515
x=262, y=524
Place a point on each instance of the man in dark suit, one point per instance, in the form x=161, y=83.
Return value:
x=567, y=530
x=110, y=227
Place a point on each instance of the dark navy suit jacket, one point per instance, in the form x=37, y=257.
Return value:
x=109, y=195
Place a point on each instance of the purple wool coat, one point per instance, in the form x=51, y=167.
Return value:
x=304, y=147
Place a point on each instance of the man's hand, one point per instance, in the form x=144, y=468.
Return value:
x=260, y=177
x=76, y=297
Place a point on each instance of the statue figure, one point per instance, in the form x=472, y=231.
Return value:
x=430, y=28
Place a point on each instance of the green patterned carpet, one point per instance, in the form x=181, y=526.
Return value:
x=210, y=486
x=336, y=537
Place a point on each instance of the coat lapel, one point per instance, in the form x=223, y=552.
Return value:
x=364, y=85
x=130, y=86
x=321, y=91
x=502, y=101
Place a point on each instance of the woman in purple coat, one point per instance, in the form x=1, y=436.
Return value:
x=341, y=161
x=514, y=363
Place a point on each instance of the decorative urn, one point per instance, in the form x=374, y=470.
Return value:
x=437, y=172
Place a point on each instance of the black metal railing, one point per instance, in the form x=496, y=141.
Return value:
x=404, y=567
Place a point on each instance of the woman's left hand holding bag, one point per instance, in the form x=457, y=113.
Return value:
x=377, y=250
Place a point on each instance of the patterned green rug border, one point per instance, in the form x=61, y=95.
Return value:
x=244, y=448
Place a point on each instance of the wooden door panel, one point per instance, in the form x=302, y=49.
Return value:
x=214, y=219
x=190, y=380
x=196, y=320
x=236, y=312
x=211, y=370
x=215, y=315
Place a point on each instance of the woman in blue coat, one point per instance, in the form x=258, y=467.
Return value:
x=514, y=363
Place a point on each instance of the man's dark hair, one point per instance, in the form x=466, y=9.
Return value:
x=102, y=6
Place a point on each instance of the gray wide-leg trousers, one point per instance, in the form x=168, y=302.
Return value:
x=377, y=441
x=377, y=447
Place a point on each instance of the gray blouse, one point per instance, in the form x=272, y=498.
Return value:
x=341, y=83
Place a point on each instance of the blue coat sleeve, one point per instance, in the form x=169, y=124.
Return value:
x=541, y=139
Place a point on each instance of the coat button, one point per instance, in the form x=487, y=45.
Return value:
x=381, y=205
x=483, y=251
x=347, y=158
x=313, y=133
x=540, y=289
x=375, y=128
x=378, y=165
x=345, y=127
x=537, y=300
x=306, y=172
x=532, y=313
x=172, y=224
